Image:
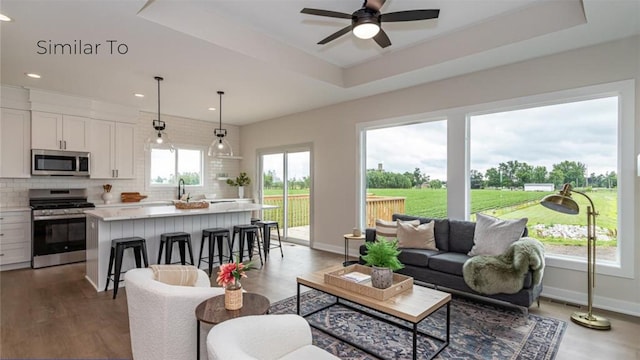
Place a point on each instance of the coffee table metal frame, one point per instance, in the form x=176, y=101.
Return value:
x=413, y=328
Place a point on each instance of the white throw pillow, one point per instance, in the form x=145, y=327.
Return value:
x=389, y=229
x=417, y=237
x=493, y=236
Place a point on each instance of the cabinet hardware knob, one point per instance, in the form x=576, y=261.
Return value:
x=1, y=234
x=1, y=254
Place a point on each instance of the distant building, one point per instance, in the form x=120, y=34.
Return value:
x=539, y=187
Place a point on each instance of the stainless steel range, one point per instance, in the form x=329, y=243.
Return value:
x=58, y=226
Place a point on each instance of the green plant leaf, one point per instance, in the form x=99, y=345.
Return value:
x=383, y=253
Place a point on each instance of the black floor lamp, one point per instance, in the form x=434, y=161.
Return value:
x=562, y=202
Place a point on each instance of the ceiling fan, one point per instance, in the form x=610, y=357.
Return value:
x=366, y=22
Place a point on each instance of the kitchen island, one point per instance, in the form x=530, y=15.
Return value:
x=148, y=222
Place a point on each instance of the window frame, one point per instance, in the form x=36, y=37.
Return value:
x=625, y=91
x=458, y=162
x=203, y=164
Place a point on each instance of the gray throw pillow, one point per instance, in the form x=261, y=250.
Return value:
x=493, y=236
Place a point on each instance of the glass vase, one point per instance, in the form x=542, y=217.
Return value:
x=233, y=296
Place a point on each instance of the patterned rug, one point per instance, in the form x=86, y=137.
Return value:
x=478, y=331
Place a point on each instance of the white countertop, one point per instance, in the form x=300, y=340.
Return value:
x=142, y=212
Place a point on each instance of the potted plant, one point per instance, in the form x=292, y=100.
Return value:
x=382, y=256
x=240, y=182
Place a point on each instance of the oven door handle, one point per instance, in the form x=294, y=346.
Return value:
x=59, y=217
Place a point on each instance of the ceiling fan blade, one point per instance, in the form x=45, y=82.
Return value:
x=410, y=15
x=328, y=13
x=382, y=39
x=374, y=4
x=335, y=35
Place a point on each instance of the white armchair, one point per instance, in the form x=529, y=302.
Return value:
x=264, y=337
x=162, y=320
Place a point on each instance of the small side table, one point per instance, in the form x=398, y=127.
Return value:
x=212, y=311
x=348, y=237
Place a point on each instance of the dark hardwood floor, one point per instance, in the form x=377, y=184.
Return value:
x=55, y=313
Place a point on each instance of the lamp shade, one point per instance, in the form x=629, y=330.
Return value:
x=560, y=203
x=220, y=147
x=366, y=30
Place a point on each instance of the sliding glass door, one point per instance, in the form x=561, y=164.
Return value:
x=286, y=183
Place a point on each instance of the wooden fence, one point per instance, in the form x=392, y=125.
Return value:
x=378, y=207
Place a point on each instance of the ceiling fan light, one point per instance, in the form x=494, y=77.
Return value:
x=366, y=30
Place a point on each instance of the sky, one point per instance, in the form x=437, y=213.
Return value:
x=584, y=131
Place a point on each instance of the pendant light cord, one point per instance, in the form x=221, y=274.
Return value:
x=220, y=93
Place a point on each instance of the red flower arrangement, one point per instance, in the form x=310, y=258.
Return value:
x=231, y=273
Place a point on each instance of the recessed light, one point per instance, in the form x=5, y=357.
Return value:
x=4, y=17
x=138, y=95
x=33, y=75
x=212, y=109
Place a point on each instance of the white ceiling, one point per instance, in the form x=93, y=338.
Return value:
x=263, y=53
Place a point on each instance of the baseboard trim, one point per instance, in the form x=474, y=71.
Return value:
x=21, y=265
x=601, y=302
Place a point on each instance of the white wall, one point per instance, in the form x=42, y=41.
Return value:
x=14, y=192
x=332, y=130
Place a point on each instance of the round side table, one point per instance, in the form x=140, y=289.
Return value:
x=347, y=238
x=212, y=311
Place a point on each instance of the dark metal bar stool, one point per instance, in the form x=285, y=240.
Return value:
x=254, y=221
x=214, y=235
x=266, y=227
x=250, y=233
x=182, y=238
x=118, y=246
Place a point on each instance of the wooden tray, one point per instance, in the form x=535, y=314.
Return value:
x=191, y=205
x=131, y=197
x=401, y=283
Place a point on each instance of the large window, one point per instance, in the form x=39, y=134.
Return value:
x=503, y=157
x=168, y=167
x=406, y=170
x=518, y=156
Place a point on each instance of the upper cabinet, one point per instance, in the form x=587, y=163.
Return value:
x=59, y=132
x=15, y=147
x=112, y=150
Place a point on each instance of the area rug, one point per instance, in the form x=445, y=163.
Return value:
x=478, y=331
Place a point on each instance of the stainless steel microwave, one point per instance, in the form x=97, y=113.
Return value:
x=60, y=163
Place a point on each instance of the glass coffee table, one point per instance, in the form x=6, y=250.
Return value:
x=212, y=311
x=413, y=306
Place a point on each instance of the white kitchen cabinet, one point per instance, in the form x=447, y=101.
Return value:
x=15, y=144
x=59, y=132
x=15, y=237
x=112, y=150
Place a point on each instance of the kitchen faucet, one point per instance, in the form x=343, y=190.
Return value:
x=180, y=185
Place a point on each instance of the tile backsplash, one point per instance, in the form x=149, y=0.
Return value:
x=183, y=131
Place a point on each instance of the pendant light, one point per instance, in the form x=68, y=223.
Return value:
x=159, y=138
x=220, y=146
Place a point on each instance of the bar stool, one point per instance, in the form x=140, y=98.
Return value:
x=214, y=235
x=179, y=237
x=254, y=221
x=266, y=226
x=250, y=233
x=118, y=246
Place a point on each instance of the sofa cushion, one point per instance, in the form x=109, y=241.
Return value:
x=493, y=236
x=449, y=262
x=416, y=237
x=389, y=229
x=441, y=229
x=461, y=235
x=416, y=257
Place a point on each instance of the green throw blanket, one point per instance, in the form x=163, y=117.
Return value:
x=505, y=273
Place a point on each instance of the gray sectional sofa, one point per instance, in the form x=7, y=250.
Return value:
x=443, y=268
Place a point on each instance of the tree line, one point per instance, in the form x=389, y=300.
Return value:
x=511, y=174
